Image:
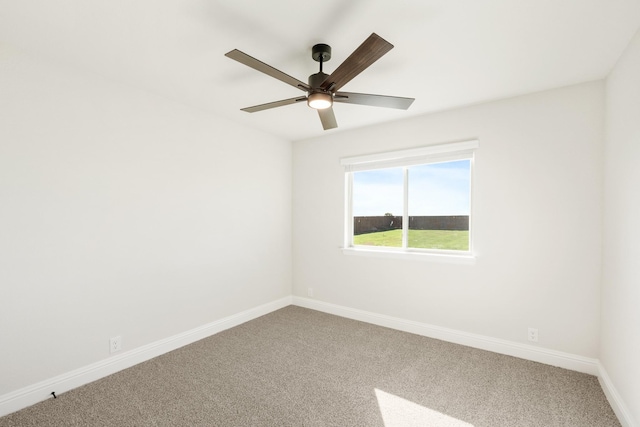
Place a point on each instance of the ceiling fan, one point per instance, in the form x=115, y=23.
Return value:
x=324, y=89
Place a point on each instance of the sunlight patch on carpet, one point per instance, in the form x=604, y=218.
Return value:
x=399, y=412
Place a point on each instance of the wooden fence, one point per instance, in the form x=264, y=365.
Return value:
x=372, y=224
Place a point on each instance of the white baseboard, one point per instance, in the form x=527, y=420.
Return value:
x=616, y=402
x=523, y=351
x=38, y=392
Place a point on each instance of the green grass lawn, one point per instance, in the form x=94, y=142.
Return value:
x=425, y=239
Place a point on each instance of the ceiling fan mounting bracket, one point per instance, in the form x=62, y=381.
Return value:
x=321, y=52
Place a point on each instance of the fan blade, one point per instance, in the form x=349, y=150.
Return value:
x=273, y=104
x=327, y=118
x=372, y=49
x=373, y=100
x=252, y=62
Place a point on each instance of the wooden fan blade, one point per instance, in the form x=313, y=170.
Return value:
x=274, y=104
x=327, y=118
x=373, y=100
x=372, y=49
x=252, y=62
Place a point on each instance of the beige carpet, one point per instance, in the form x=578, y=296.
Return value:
x=299, y=367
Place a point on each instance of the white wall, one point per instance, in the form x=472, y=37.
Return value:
x=620, y=346
x=126, y=214
x=537, y=218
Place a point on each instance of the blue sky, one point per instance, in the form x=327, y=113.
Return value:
x=434, y=189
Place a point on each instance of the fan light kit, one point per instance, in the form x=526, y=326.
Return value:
x=319, y=100
x=323, y=89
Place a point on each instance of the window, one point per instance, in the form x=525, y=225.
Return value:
x=415, y=201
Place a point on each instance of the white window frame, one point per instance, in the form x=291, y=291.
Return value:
x=464, y=150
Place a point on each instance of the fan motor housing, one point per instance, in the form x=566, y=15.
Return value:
x=315, y=80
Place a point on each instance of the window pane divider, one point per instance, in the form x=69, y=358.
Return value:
x=405, y=209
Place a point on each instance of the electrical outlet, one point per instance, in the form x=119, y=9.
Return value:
x=533, y=335
x=310, y=292
x=115, y=344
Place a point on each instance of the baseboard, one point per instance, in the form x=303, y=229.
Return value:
x=38, y=392
x=523, y=351
x=616, y=402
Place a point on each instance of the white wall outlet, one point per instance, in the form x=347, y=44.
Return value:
x=533, y=335
x=310, y=292
x=115, y=344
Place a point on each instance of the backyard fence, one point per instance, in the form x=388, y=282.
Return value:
x=372, y=224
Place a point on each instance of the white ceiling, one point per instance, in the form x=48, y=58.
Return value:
x=447, y=53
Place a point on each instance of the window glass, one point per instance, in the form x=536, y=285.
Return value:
x=377, y=195
x=439, y=205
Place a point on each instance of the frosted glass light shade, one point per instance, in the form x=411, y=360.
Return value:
x=320, y=100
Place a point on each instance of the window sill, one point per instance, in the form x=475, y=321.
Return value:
x=450, y=258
